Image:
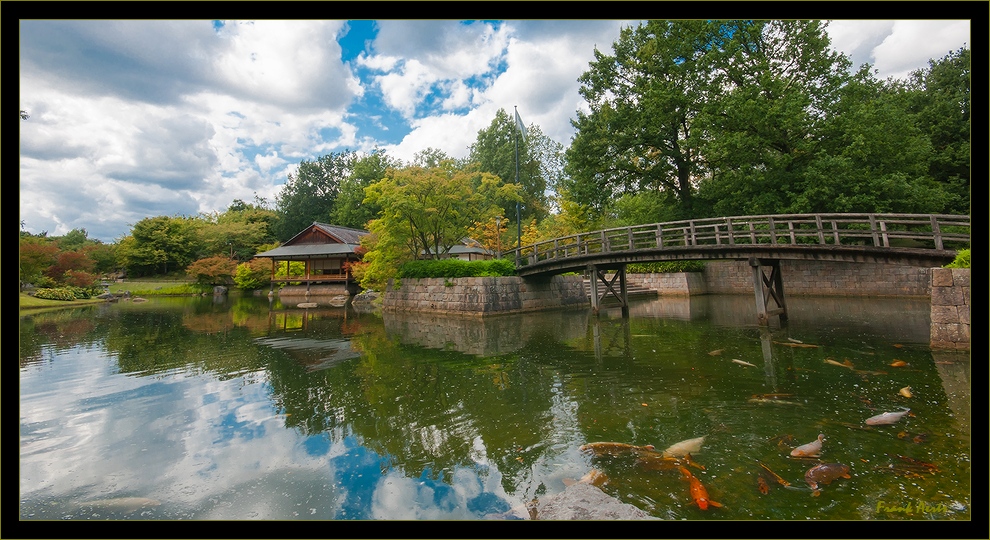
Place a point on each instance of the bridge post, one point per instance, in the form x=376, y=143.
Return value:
x=774, y=288
x=622, y=295
x=593, y=278
x=623, y=291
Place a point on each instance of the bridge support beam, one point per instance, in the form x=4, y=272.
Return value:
x=622, y=295
x=766, y=288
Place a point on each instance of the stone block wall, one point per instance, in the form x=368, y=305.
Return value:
x=826, y=278
x=950, y=308
x=314, y=290
x=484, y=295
x=673, y=284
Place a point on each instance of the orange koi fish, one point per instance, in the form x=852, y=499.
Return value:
x=761, y=484
x=774, y=475
x=614, y=448
x=698, y=491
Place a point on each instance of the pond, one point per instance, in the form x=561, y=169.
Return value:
x=244, y=409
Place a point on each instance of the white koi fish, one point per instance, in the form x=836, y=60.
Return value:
x=683, y=448
x=886, y=418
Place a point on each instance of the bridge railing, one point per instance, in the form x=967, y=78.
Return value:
x=925, y=231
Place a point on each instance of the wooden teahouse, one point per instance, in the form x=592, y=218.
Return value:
x=327, y=251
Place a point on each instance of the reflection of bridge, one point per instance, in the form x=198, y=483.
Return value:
x=905, y=239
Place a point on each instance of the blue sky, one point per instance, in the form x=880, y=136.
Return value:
x=137, y=118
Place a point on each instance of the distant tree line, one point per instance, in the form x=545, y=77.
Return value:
x=683, y=119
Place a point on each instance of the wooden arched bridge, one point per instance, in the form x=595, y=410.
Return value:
x=905, y=239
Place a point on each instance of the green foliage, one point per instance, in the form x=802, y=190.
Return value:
x=184, y=289
x=311, y=194
x=961, y=260
x=158, y=245
x=238, y=233
x=495, y=151
x=455, y=268
x=350, y=209
x=293, y=268
x=667, y=267
x=60, y=293
x=429, y=210
x=940, y=97
x=253, y=274
x=645, y=207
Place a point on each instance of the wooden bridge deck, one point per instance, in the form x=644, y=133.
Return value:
x=910, y=239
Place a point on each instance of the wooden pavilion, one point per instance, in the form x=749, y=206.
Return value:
x=326, y=250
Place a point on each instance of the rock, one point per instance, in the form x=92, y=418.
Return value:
x=307, y=305
x=219, y=290
x=586, y=502
x=138, y=299
x=579, y=501
x=338, y=301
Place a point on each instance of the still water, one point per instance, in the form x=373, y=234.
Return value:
x=241, y=408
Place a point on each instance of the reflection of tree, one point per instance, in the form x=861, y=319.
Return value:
x=60, y=329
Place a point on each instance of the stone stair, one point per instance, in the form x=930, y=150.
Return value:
x=633, y=289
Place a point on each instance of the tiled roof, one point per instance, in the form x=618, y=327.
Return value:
x=346, y=235
x=309, y=250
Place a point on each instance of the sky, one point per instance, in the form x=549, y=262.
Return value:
x=132, y=119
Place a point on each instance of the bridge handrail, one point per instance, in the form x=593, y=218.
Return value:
x=931, y=231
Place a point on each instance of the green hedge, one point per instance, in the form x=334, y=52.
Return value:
x=455, y=268
x=669, y=267
x=60, y=293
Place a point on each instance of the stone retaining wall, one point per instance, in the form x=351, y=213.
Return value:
x=673, y=284
x=817, y=278
x=484, y=295
x=950, y=308
x=314, y=290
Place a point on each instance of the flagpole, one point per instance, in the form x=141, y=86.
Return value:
x=515, y=138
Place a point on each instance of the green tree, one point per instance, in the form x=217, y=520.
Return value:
x=941, y=98
x=311, y=194
x=432, y=209
x=351, y=210
x=871, y=157
x=239, y=232
x=158, y=245
x=639, y=133
x=779, y=82
x=72, y=240
x=733, y=103
x=495, y=152
x=253, y=274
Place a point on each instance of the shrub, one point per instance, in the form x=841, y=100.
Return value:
x=45, y=282
x=668, y=267
x=253, y=274
x=217, y=270
x=60, y=293
x=961, y=260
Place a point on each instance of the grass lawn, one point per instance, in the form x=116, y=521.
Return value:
x=135, y=287
x=32, y=303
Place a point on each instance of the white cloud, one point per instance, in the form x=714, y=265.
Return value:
x=290, y=63
x=897, y=48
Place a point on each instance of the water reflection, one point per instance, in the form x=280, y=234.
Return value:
x=244, y=408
